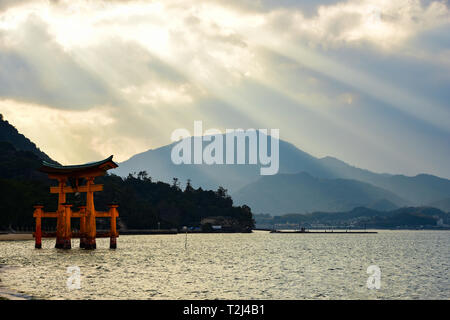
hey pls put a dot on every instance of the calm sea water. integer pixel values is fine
(414, 265)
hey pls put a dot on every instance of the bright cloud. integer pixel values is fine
(57, 127)
(334, 76)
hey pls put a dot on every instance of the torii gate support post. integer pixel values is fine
(82, 226)
(38, 233)
(67, 235)
(113, 231)
(59, 222)
(90, 217)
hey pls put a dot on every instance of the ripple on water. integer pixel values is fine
(414, 265)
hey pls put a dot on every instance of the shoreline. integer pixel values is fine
(16, 236)
(9, 294)
(29, 236)
(136, 232)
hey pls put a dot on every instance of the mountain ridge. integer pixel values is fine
(302, 193)
(361, 217)
(10, 134)
(420, 189)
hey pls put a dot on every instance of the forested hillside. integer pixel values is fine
(143, 203)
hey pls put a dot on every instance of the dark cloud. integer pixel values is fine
(433, 40)
(420, 76)
(7, 4)
(372, 121)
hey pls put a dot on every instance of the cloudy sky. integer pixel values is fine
(365, 81)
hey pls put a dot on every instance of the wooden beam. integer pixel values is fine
(50, 215)
(102, 214)
(77, 214)
(67, 189)
(95, 172)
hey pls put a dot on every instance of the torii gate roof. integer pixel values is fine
(87, 169)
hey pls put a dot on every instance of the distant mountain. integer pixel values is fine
(418, 190)
(301, 193)
(158, 164)
(443, 204)
(361, 217)
(9, 133)
(19, 165)
(22, 186)
(382, 205)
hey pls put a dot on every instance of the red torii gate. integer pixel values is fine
(87, 213)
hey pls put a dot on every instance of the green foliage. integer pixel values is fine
(144, 203)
